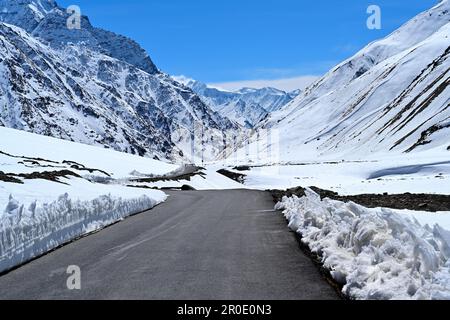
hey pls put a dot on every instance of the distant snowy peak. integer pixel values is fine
(246, 106)
(266, 90)
(46, 20)
(270, 99)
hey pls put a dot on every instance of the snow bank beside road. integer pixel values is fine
(27, 232)
(35, 220)
(374, 253)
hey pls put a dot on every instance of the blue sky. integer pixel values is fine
(234, 40)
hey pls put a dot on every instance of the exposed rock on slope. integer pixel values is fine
(96, 87)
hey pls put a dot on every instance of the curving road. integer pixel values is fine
(197, 245)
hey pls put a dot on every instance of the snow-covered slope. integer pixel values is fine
(247, 106)
(96, 87)
(391, 96)
(115, 164)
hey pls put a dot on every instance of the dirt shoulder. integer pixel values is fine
(420, 202)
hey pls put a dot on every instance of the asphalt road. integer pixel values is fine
(197, 245)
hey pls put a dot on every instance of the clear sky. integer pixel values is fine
(217, 41)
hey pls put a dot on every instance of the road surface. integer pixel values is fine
(197, 245)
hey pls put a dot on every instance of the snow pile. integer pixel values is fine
(29, 231)
(374, 253)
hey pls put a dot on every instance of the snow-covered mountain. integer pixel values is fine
(247, 106)
(44, 19)
(96, 87)
(393, 95)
